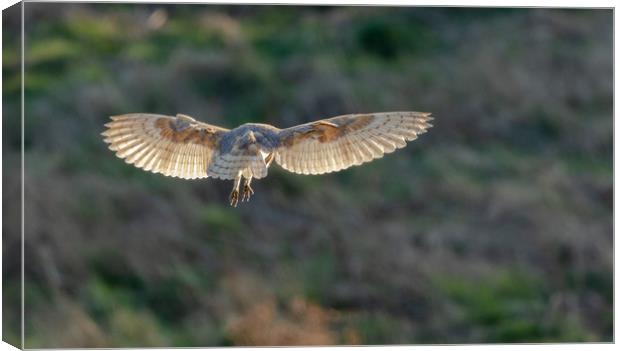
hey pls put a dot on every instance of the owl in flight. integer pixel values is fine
(183, 147)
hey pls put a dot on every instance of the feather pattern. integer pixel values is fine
(174, 146)
(337, 143)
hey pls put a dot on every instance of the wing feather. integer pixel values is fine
(176, 146)
(337, 143)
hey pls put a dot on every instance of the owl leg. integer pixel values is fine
(247, 190)
(234, 194)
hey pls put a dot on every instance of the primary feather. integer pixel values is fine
(337, 143)
(173, 146)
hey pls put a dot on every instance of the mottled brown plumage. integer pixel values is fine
(182, 147)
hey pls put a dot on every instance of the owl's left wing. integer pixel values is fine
(333, 144)
(178, 146)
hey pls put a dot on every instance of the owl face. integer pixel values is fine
(248, 142)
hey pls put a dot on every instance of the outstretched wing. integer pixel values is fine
(333, 144)
(174, 146)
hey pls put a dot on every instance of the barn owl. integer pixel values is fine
(180, 146)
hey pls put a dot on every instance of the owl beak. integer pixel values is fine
(250, 137)
(264, 155)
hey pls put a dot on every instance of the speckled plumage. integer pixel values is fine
(182, 147)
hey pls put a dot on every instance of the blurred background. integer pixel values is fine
(496, 226)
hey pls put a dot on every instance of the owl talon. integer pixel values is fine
(234, 198)
(247, 192)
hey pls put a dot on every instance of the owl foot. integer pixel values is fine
(234, 198)
(247, 192)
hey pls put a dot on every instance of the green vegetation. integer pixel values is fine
(510, 307)
(496, 226)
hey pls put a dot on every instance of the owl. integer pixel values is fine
(180, 146)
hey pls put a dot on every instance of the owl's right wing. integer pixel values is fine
(336, 143)
(173, 146)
